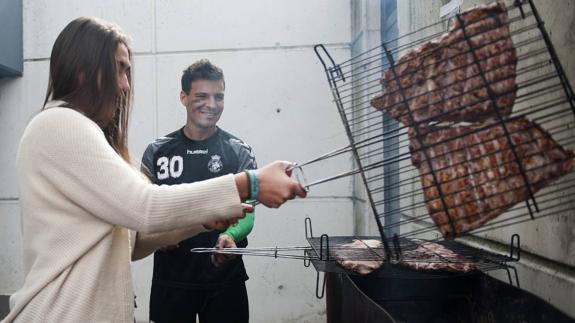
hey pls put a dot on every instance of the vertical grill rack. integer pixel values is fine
(381, 145)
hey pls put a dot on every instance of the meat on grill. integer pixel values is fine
(360, 256)
(433, 256)
(365, 256)
(441, 80)
(477, 173)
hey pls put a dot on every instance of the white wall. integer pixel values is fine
(366, 35)
(277, 99)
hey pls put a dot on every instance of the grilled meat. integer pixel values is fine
(441, 80)
(477, 173)
(360, 256)
(433, 256)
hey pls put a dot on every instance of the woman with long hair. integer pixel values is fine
(82, 201)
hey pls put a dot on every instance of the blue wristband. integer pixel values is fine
(249, 178)
(254, 184)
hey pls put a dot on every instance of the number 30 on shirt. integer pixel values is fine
(170, 167)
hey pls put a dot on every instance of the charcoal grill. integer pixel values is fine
(325, 251)
(472, 298)
(380, 146)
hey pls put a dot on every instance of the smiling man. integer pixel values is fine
(184, 284)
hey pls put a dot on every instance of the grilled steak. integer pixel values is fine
(441, 80)
(433, 256)
(365, 256)
(361, 256)
(477, 172)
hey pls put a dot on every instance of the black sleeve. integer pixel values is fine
(147, 166)
(244, 153)
(246, 158)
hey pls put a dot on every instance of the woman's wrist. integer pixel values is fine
(242, 185)
(254, 185)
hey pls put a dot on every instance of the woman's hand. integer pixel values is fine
(276, 186)
(224, 224)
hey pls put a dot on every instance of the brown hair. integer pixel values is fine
(83, 73)
(201, 70)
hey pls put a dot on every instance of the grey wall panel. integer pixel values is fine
(11, 63)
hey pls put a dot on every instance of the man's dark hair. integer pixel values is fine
(201, 70)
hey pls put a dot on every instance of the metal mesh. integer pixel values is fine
(401, 163)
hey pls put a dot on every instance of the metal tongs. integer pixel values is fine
(298, 173)
(349, 148)
(275, 252)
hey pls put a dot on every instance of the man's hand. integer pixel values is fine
(224, 241)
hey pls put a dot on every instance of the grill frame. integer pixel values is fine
(323, 254)
(343, 81)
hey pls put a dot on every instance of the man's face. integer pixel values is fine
(204, 103)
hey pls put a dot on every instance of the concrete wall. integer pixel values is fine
(277, 99)
(11, 38)
(366, 34)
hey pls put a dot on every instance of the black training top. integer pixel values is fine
(176, 159)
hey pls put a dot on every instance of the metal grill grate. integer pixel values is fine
(407, 258)
(404, 164)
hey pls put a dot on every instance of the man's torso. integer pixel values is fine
(175, 159)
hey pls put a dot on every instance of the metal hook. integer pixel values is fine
(515, 247)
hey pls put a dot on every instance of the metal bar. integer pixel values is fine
(384, 66)
(336, 95)
(414, 206)
(497, 224)
(521, 86)
(419, 39)
(493, 98)
(523, 43)
(418, 136)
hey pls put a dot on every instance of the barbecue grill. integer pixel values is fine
(383, 149)
(381, 145)
(385, 145)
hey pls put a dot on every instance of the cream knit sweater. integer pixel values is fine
(78, 200)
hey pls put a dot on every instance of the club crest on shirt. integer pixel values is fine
(215, 164)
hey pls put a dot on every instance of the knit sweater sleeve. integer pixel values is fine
(78, 162)
(144, 244)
